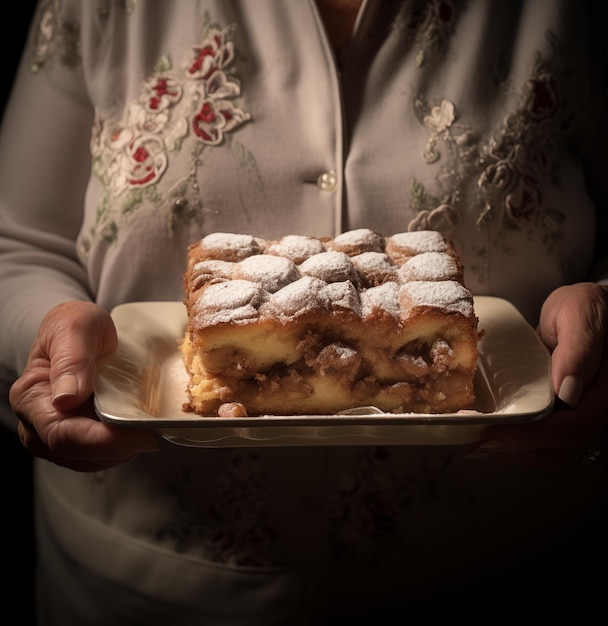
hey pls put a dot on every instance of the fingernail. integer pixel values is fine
(66, 386)
(570, 390)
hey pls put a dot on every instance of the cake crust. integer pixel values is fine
(310, 326)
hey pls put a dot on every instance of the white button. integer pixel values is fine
(328, 181)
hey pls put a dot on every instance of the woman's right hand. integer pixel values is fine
(53, 397)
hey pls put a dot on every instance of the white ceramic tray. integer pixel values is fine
(143, 385)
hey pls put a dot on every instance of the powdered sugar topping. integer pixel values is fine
(297, 298)
(232, 301)
(374, 268)
(296, 248)
(420, 241)
(381, 299)
(329, 266)
(445, 294)
(211, 270)
(231, 246)
(271, 272)
(357, 241)
(244, 278)
(429, 266)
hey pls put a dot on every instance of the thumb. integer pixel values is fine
(75, 334)
(573, 324)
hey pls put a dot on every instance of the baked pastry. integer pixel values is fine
(311, 326)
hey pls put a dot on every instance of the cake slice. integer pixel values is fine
(307, 326)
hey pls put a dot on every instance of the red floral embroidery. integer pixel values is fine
(134, 154)
(163, 92)
(214, 55)
(214, 119)
(147, 159)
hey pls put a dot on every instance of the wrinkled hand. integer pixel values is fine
(574, 326)
(53, 396)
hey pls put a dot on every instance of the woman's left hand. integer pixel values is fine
(574, 326)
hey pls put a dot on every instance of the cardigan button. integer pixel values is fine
(328, 181)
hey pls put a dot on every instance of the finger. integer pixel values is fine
(32, 442)
(84, 444)
(573, 324)
(75, 437)
(78, 437)
(72, 337)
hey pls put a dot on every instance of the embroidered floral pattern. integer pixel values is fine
(458, 148)
(196, 100)
(511, 168)
(518, 161)
(55, 37)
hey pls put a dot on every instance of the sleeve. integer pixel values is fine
(44, 170)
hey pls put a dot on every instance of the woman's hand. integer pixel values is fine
(53, 396)
(574, 326)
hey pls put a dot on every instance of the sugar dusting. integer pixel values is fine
(296, 248)
(384, 298)
(231, 245)
(246, 278)
(232, 301)
(374, 268)
(343, 296)
(329, 266)
(212, 268)
(299, 297)
(418, 241)
(449, 295)
(360, 240)
(429, 266)
(271, 272)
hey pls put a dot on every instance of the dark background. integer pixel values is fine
(16, 518)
